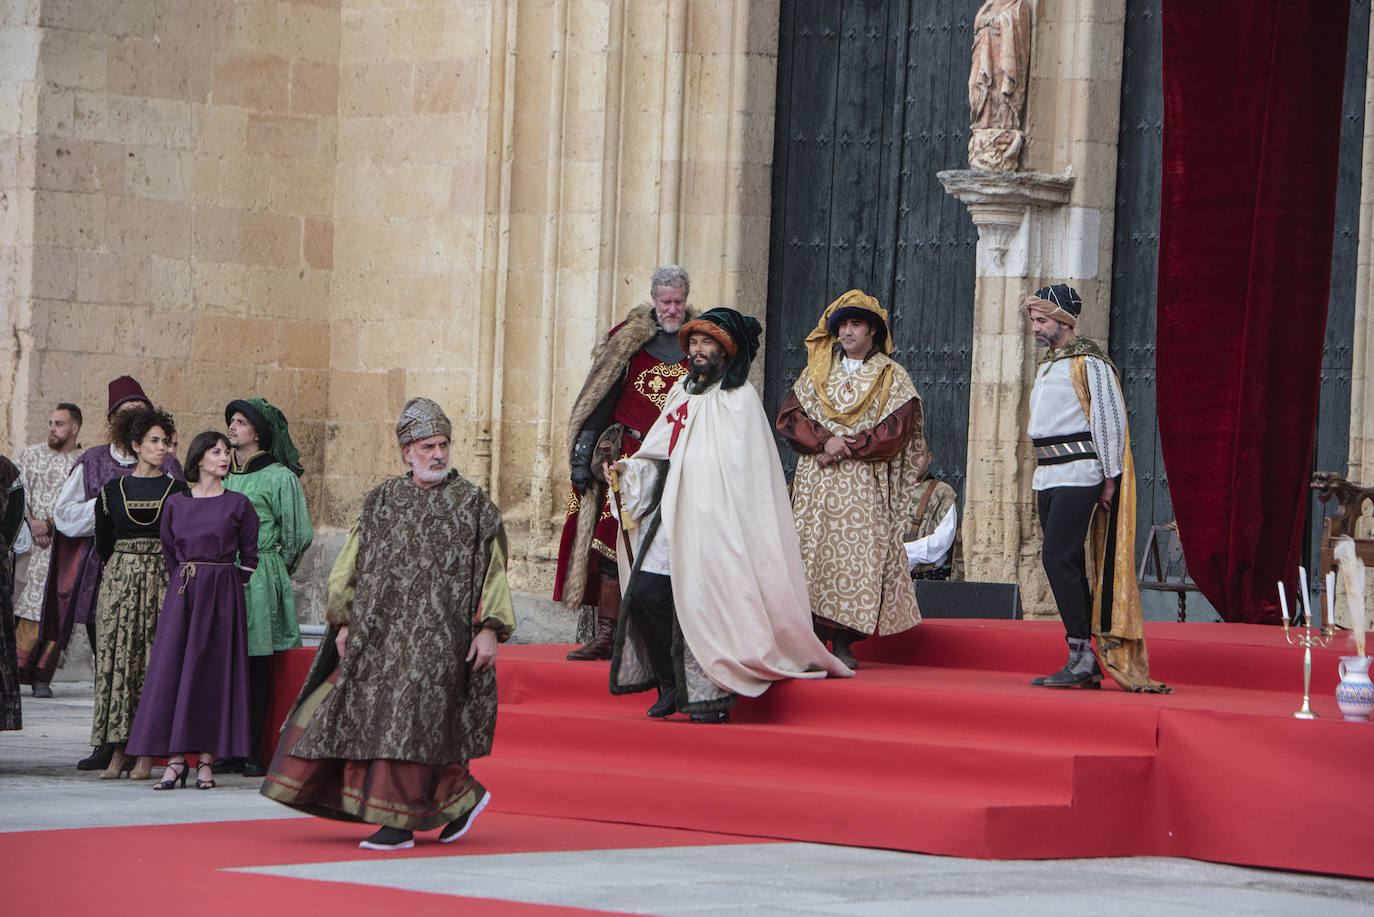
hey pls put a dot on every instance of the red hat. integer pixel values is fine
(125, 388)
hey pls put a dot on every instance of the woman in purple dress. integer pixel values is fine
(195, 698)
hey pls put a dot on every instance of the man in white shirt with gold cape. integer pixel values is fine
(716, 603)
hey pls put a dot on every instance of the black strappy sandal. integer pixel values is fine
(177, 775)
(204, 784)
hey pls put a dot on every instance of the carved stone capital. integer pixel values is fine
(999, 203)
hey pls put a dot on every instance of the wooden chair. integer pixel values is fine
(1164, 569)
(1351, 499)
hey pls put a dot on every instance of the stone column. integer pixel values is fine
(1022, 228)
(20, 41)
(1050, 224)
(1361, 466)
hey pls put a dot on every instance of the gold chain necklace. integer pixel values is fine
(160, 503)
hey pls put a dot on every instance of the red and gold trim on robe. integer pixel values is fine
(399, 794)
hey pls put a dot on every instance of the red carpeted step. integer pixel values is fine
(845, 811)
(940, 745)
(1255, 656)
(800, 757)
(907, 757)
(882, 699)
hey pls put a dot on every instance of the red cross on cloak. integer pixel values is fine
(678, 419)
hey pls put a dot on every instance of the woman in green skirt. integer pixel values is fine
(128, 526)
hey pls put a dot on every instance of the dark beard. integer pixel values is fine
(700, 378)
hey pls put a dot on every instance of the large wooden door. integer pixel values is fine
(872, 101)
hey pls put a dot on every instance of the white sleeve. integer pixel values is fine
(23, 542)
(1108, 420)
(934, 547)
(73, 515)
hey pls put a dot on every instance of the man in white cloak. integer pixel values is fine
(716, 602)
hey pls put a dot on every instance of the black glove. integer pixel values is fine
(581, 475)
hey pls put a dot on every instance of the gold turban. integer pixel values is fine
(820, 351)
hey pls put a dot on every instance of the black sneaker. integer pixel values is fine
(41, 689)
(459, 826)
(719, 716)
(389, 839)
(98, 760)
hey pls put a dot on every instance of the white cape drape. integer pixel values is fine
(738, 583)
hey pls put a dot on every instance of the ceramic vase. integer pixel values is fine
(1355, 693)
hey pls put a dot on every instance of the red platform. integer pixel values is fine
(941, 746)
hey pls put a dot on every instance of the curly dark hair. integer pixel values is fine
(132, 425)
(202, 444)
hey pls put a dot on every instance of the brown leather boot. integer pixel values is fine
(607, 616)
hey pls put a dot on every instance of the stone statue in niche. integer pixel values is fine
(997, 84)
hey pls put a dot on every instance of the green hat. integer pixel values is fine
(273, 433)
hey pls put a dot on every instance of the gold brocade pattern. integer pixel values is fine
(126, 613)
(851, 515)
(654, 382)
(44, 472)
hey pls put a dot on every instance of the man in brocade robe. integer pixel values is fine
(854, 418)
(632, 371)
(1084, 487)
(402, 692)
(716, 603)
(266, 468)
(44, 468)
(74, 570)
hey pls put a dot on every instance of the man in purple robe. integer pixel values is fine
(74, 572)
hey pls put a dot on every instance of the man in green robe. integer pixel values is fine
(266, 468)
(402, 693)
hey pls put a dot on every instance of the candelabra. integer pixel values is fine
(1305, 639)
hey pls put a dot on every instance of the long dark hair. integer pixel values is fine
(202, 444)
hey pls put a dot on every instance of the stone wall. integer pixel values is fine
(179, 163)
(338, 204)
(509, 176)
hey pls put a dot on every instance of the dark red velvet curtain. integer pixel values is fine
(1252, 103)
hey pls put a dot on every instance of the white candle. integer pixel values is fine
(1283, 602)
(1331, 597)
(1303, 591)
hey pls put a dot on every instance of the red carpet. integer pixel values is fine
(940, 746)
(147, 870)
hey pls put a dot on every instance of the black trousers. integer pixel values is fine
(1064, 516)
(651, 607)
(259, 696)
